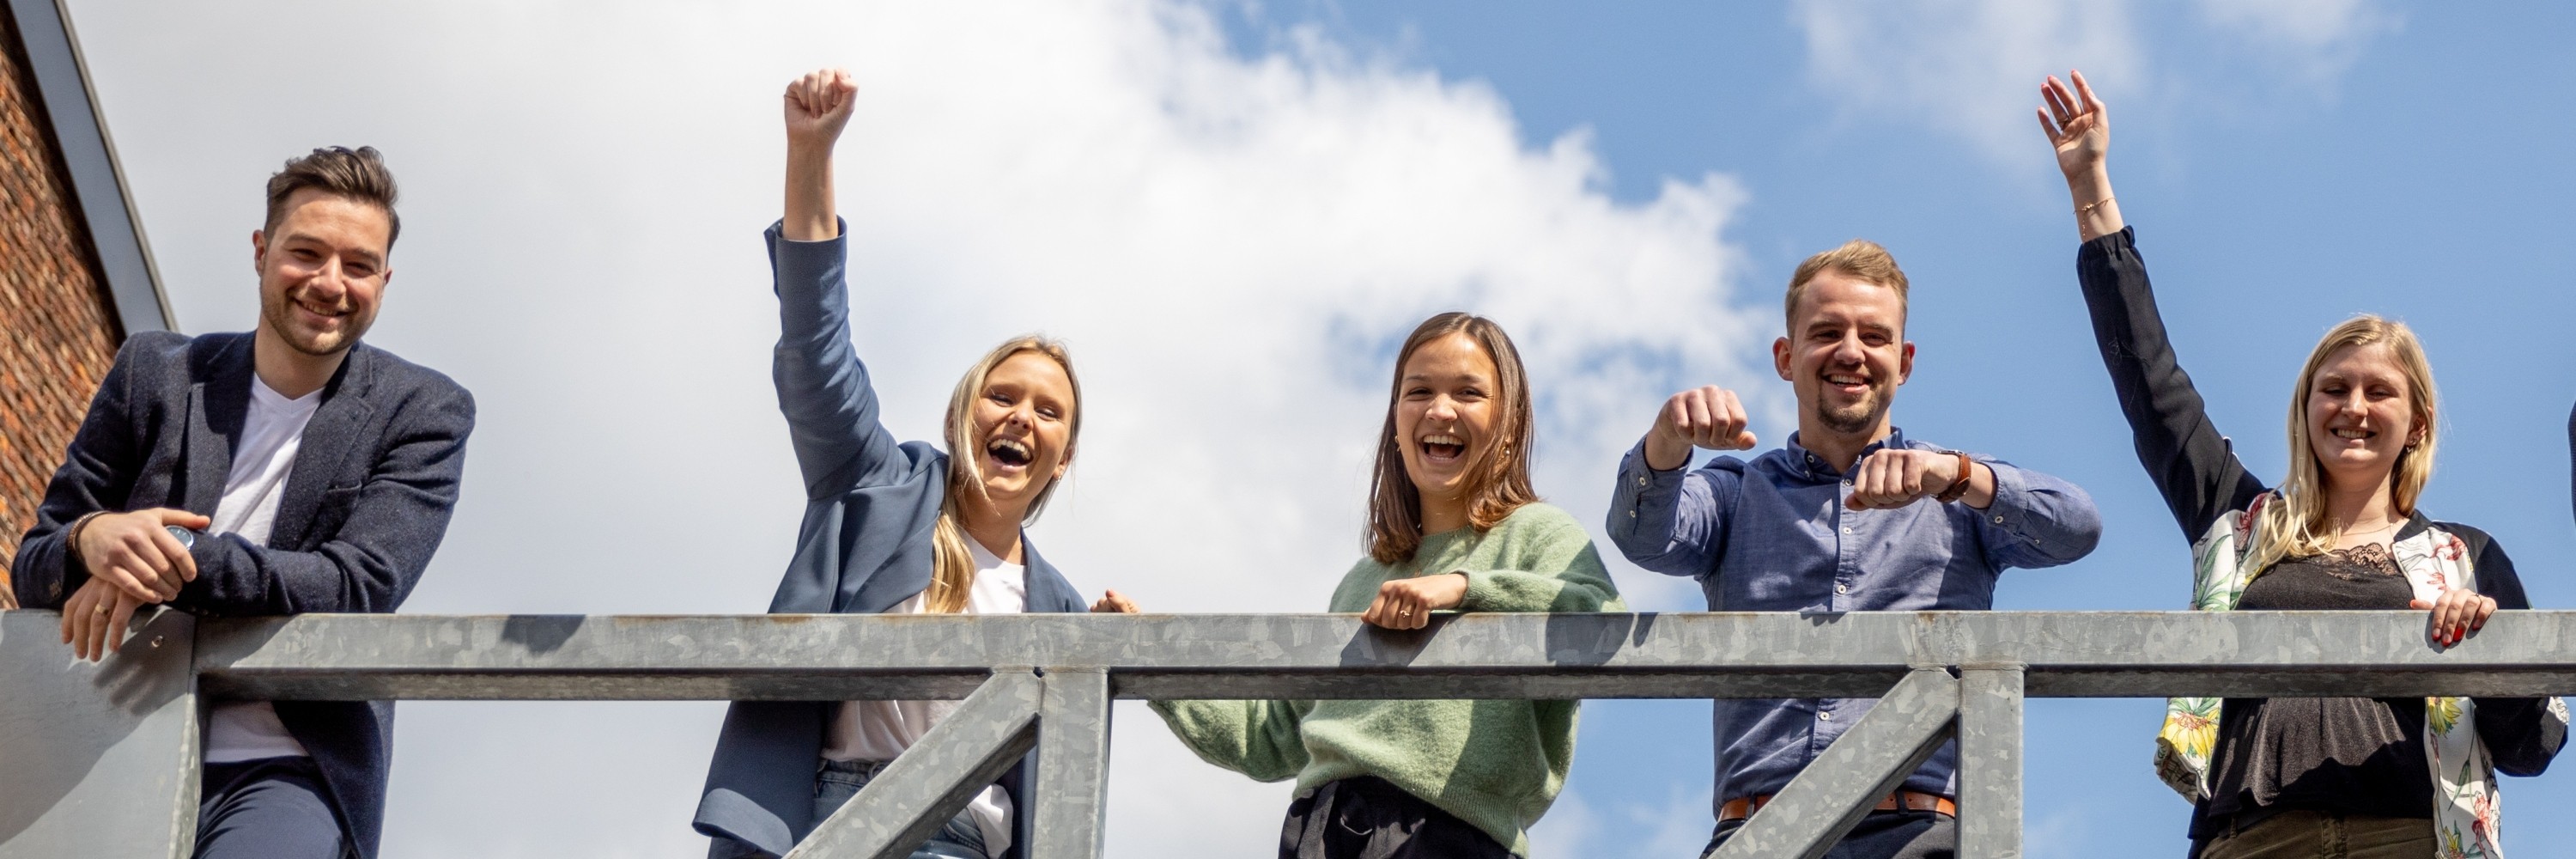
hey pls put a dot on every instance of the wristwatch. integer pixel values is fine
(1959, 488)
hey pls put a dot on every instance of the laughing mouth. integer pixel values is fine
(1009, 452)
(2351, 434)
(1846, 380)
(1443, 446)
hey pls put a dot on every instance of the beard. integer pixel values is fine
(1855, 418)
(280, 315)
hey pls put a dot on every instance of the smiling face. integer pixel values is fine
(1844, 356)
(1022, 430)
(321, 272)
(2361, 415)
(1445, 413)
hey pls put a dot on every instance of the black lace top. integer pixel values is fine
(2357, 756)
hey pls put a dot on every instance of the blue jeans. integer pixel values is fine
(835, 782)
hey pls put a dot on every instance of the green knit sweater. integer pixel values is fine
(1495, 764)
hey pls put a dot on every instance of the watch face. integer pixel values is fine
(187, 539)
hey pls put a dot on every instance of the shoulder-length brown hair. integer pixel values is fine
(1496, 486)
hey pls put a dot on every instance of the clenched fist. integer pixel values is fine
(818, 105)
(1707, 416)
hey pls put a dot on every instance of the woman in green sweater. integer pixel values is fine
(1453, 524)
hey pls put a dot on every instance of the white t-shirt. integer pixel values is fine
(880, 730)
(271, 434)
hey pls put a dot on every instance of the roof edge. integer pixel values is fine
(89, 155)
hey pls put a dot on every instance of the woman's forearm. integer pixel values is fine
(810, 214)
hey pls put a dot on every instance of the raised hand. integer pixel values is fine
(2079, 127)
(1408, 603)
(1707, 416)
(2076, 124)
(818, 106)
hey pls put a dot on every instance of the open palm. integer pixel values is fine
(2076, 124)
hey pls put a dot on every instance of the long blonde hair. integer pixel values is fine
(2298, 526)
(952, 565)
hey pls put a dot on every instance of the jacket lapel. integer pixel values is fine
(330, 438)
(1046, 587)
(217, 406)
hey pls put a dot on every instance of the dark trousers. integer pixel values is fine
(1882, 835)
(271, 808)
(1367, 818)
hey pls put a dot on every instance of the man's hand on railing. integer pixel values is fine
(95, 618)
(1113, 602)
(2457, 614)
(1408, 603)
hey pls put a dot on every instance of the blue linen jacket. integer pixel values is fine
(376, 476)
(864, 547)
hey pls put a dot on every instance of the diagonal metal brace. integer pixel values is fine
(929, 783)
(1845, 781)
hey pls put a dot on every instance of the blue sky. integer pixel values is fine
(2420, 181)
(1230, 209)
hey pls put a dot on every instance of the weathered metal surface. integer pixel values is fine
(829, 657)
(1073, 765)
(96, 759)
(1990, 713)
(1847, 779)
(929, 783)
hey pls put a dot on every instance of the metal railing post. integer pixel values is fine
(1990, 749)
(1072, 781)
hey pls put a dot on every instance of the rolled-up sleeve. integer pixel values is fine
(2036, 520)
(1670, 521)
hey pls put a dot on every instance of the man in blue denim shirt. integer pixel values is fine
(1850, 515)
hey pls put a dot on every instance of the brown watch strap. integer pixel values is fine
(1959, 488)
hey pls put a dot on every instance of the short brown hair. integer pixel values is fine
(1495, 487)
(1859, 258)
(358, 174)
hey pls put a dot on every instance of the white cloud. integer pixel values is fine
(1972, 69)
(1231, 245)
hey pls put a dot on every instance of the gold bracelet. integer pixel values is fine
(2087, 209)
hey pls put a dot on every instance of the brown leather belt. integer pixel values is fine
(1742, 807)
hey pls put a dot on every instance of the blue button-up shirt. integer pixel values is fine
(1773, 535)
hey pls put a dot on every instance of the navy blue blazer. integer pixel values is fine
(375, 479)
(864, 547)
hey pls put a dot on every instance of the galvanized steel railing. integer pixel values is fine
(89, 752)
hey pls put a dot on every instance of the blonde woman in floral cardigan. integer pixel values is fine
(2405, 778)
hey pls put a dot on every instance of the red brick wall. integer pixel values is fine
(60, 332)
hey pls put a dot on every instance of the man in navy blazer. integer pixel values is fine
(289, 469)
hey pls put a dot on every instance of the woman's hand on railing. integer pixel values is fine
(1113, 602)
(2457, 614)
(1408, 603)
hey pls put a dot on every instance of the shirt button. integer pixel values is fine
(1632, 514)
(1999, 520)
(1846, 529)
(1641, 481)
(1842, 588)
(1827, 715)
(1847, 483)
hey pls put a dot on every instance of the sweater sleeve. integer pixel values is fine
(1256, 738)
(1551, 567)
(2191, 464)
(2522, 735)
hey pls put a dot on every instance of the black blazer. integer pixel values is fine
(375, 479)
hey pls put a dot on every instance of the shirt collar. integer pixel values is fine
(1812, 467)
